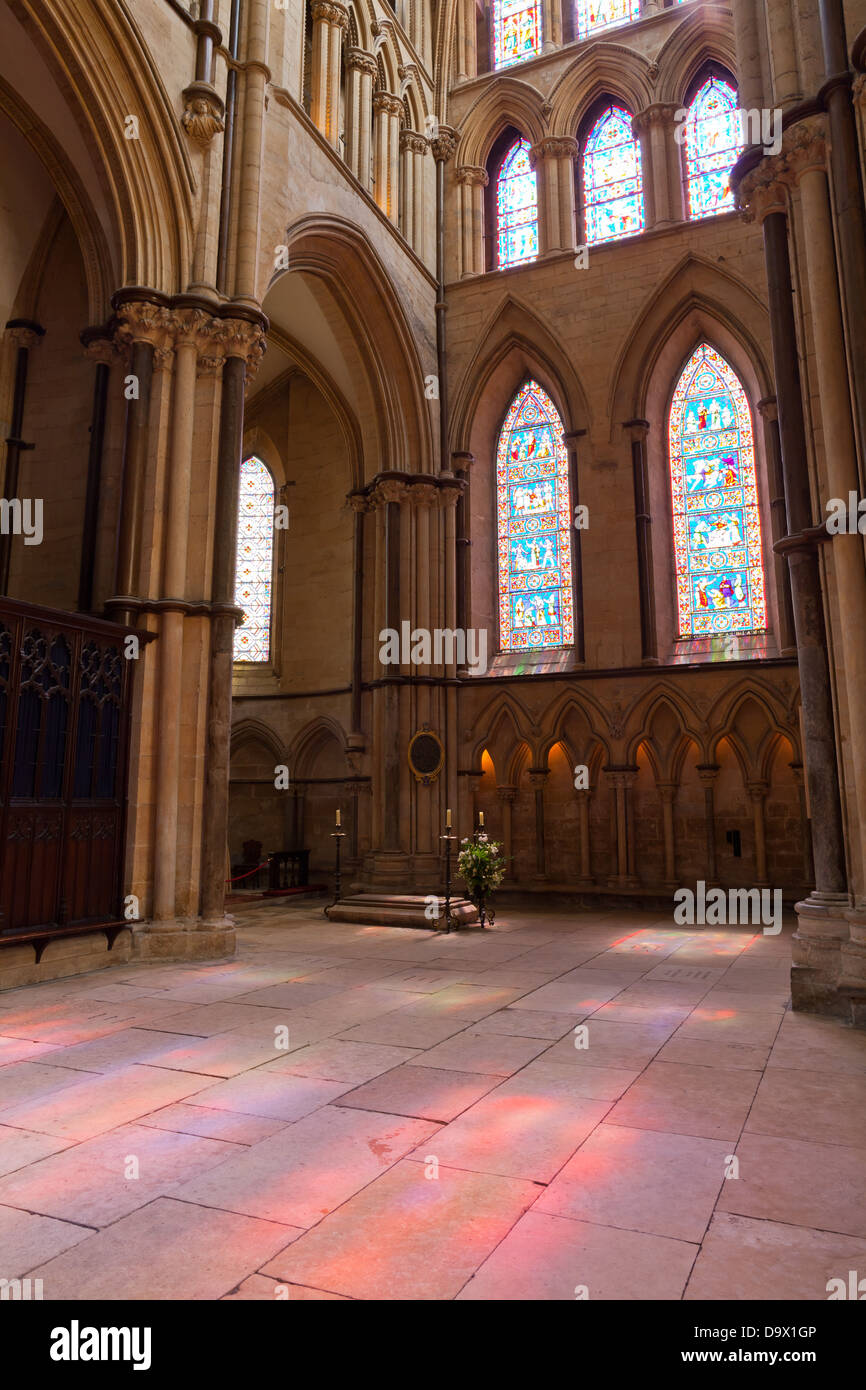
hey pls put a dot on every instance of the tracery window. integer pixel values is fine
(604, 14)
(255, 562)
(713, 140)
(516, 208)
(516, 31)
(612, 179)
(536, 602)
(718, 554)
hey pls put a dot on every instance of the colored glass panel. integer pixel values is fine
(612, 179)
(536, 603)
(717, 524)
(713, 141)
(516, 208)
(604, 14)
(255, 562)
(516, 31)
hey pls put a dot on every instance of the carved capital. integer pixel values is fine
(141, 321)
(506, 793)
(362, 61)
(805, 149)
(858, 91)
(329, 12)
(762, 191)
(472, 174)
(423, 495)
(411, 140)
(203, 113)
(768, 408)
(24, 335)
(100, 347)
(661, 113)
(553, 147)
(444, 143)
(387, 490)
(387, 104)
(636, 430)
(359, 502)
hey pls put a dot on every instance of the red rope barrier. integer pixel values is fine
(263, 865)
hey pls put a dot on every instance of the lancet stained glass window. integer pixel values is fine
(713, 140)
(516, 31)
(604, 14)
(717, 524)
(536, 603)
(516, 208)
(612, 179)
(255, 562)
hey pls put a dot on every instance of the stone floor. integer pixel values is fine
(435, 1127)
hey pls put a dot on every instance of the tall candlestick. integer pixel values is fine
(447, 820)
(339, 821)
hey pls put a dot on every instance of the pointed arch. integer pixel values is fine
(611, 177)
(601, 70)
(713, 140)
(699, 36)
(513, 345)
(516, 207)
(506, 102)
(308, 743)
(256, 731)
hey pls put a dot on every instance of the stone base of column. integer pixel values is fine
(623, 881)
(852, 981)
(816, 971)
(387, 869)
(182, 941)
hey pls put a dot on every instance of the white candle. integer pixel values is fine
(447, 820)
(339, 822)
(480, 817)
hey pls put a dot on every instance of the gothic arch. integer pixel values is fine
(601, 69)
(248, 731)
(697, 40)
(104, 70)
(715, 297)
(643, 714)
(333, 252)
(515, 332)
(509, 102)
(587, 707)
(309, 742)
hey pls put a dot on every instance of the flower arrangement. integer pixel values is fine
(481, 866)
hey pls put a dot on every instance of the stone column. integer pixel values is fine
(708, 774)
(388, 856)
(329, 22)
(808, 866)
(662, 170)
(778, 524)
(507, 796)
(242, 342)
(553, 161)
(413, 148)
(667, 792)
(571, 442)
(537, 779)
(821, 921)
(472, 181)
(551, 25)
(387, 110)
(447, 499)
(103, 353)
(23, 337)
(783, 52)
(749, 49)
(637, 431)
(585, 878)
(622, 782)
(140, 328)
(466, 56)
(359, 112)
(758, 795)
(807, 170)
(257, 75)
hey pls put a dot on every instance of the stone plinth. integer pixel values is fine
(393, 910)
(157, 942)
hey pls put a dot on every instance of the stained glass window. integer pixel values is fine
(604, 14)
(516, 31)
(713, 140)
(516, 208)
(255, 562)
(536, 605)
(612, 179)
(717, 524)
